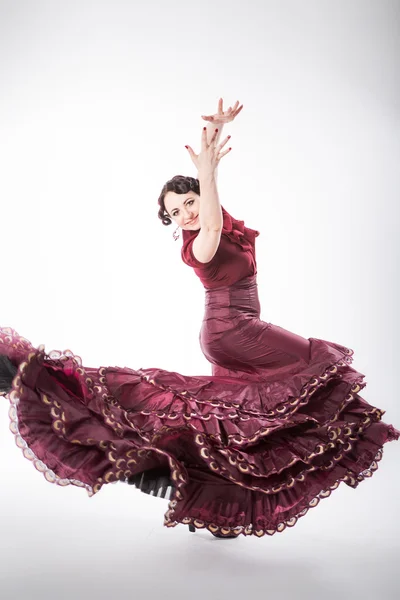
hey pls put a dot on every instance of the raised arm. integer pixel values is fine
(206, 243)
(218, 121)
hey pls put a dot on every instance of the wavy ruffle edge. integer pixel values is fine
(19, 347)
(345, 436)
(130, 462)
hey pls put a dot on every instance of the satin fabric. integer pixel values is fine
(234, 260)
(247, 454)
(250, 449)
(235, 340)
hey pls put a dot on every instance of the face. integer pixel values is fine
(182, 208)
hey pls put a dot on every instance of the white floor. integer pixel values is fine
(57, 543)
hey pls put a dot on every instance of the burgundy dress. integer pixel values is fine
(277, 426)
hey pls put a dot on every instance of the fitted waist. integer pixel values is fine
(241, 296)
(245, 283)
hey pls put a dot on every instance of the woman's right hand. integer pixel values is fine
(207, 161)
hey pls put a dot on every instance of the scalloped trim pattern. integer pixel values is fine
(121, 467)
(290, 406)
(250, 530)
(284, 410)
(350, 478)
(14, 397)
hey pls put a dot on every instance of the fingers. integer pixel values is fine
(204, 144)
(223, 154)
(210, 150)
(193, 156)
(224, 117)
(233, 112)
(191, 152)
(204, 139)
(214, 137)
(222, 144)
(238, 110)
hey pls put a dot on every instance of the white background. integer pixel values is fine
(97, 101)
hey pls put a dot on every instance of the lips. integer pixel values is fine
(191, 222)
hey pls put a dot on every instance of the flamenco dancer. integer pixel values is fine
(248, 450)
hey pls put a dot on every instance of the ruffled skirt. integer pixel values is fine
(276, 428)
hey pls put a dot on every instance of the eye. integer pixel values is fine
(175, 213)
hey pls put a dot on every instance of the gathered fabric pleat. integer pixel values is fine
(251, 448)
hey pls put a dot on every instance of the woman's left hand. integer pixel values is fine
(221, 117)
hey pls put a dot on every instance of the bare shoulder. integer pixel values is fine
(206, 244)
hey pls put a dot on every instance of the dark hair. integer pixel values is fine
(180, 185)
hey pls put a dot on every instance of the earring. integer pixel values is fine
(174, 235)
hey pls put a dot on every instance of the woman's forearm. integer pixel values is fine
(210, 208)
(211, 127)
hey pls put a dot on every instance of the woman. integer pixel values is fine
(248, 450)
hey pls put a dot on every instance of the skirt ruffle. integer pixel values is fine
(245, 457)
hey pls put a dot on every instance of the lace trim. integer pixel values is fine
(308, 389)
(67, 359)
(169, 520)
(14, 397)
(121, 467)
(289, 406)
(334, 433)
